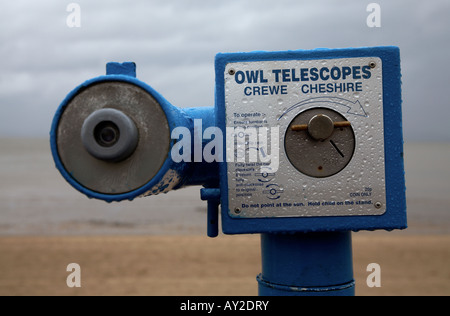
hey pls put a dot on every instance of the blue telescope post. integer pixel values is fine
(307, 264)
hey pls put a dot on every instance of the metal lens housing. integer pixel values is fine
(111, 138)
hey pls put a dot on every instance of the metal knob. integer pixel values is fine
(320, 127)
(109, 134)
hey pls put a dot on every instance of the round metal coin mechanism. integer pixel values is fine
(320, 142)
(113, 137)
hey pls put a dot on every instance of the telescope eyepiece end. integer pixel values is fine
(110, 135)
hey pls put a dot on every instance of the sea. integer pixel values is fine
(36, 201)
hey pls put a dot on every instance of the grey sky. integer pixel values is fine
(174, 44)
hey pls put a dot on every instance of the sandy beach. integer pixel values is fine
(196, 265)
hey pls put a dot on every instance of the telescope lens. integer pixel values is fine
(106, 134)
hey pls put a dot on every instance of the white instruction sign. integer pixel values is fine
(305, 138)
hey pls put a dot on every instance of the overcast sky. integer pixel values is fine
(174, 44)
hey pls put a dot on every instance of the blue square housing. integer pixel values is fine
(395, 215)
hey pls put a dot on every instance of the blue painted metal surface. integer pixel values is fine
(395, 216)
(126, 69)
(213, 198)
(306, 264)
(201, 172)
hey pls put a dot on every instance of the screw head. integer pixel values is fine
(378, 205)
(372, 64)
(237, 210)
(231, 72)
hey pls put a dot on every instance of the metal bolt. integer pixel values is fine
(237, 210)
(372, 64)
(231, 72)
(378, 205)
(320, 127)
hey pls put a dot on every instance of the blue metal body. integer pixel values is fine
(395, 216)
(306, 264)
(301, 255)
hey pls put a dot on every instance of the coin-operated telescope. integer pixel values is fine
(302, 147)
